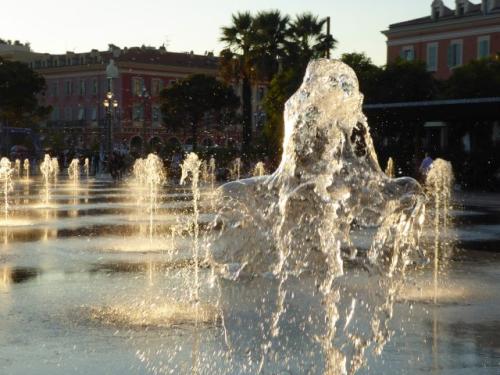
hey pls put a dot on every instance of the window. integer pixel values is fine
(82, 87)
(483, 47)
(95, 86)
(81, 114)
(137, 85)
(68, 115)
(156, 87)
(55, 89)
(432, 57)
(156, 114)
(138, 112)
(94, 114)
(55, 114)
(68, 88)
(455, 54)
(407, 53)
(436, 11)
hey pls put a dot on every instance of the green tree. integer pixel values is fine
(306, 39)
(406, 81)
(368, 74)
(189, 101)
(20, 88)
(477, 79)
(269, 43)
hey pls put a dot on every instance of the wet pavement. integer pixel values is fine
(83, 289)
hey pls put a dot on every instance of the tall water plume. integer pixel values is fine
(299, 222)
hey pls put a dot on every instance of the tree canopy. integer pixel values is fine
(20, 88)
(189, 101)
(477, 79)
(260, 47)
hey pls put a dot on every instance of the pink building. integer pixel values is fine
(447, 38)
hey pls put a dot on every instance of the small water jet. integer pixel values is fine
(149, 176)
(212, 172)
(6, 172)
(191, 168)
(86, 168)
(389, 169)
(235, 171)
(439, 185)
(54, 169)
(74, 172)
(259, 170)
(26, 166)
(17, 168)
(47, 170)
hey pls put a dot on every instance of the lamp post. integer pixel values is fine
(110, 105)
(145, 96)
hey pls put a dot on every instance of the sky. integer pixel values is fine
(57, 26)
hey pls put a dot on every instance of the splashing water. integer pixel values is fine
(6, 172)
(389, 169)
(235, 171)
(259, 170)
(439, 184)
(86, 167)
(47, 170)
(299, 222)
(26, 167)
(74, 172)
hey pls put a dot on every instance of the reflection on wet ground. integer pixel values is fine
(76, 295)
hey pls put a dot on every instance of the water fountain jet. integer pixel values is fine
(301, 219)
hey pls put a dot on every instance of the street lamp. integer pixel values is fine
(110, 105)
(145, 96)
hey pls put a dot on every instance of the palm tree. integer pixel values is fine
(307, 40)
(237, 63)
(270, 32)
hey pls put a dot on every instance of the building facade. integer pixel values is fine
(447, 38)
(77, 85)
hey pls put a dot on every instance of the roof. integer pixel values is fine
(150, 56)
(449, 14)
